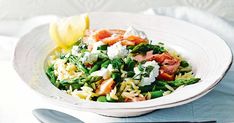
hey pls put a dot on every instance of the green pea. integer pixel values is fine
(101, 99)
(51, 75)
(117, 63)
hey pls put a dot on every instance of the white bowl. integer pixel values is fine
(209, 55)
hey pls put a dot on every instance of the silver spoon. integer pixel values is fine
(53, 116)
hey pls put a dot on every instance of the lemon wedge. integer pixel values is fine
(66, 32)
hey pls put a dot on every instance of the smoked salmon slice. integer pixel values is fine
(101, 34)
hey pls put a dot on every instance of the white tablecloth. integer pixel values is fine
(17, 100)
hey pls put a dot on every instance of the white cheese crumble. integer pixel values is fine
(104, 72)
(89, 58)
(110, 68)
(117, 51)
(153, 74)
(137, 72)
(132, 31)
(96, 45)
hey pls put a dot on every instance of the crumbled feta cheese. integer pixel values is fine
(153, 74)
(95, 47)
(89, 58)
(75, 50)
(117, 51)
(137, 72)
(110, 68)
(105, 73)
(132, 31)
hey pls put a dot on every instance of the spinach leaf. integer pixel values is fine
(103, 47)
(51, 75)
(142, 48)
(130, 73)
(117, 63)
(155, 86)
(140, 67)
(116, 76)
(147, 71)
(130, 47)
(184, 63)
(129, 64)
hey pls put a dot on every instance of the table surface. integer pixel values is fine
(18, 100)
